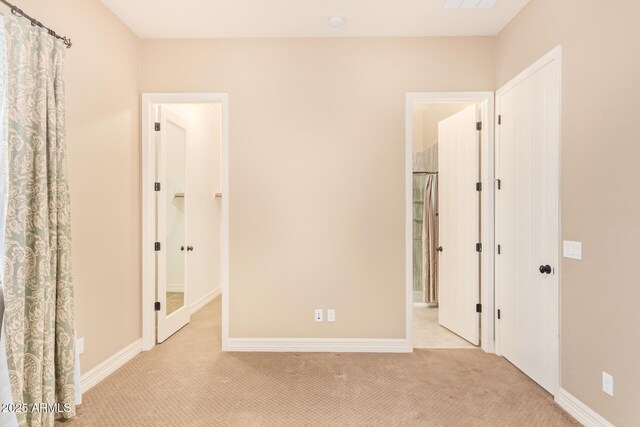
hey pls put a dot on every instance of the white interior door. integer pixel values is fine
(172, 283)
(459, 219)
(527, 224)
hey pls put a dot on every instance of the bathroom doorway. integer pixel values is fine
(450, 135)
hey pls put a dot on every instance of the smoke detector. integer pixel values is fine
(469, 4)
(336, 21)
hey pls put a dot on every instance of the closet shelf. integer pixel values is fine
(181, 195)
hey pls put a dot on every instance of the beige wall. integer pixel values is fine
(104, 168)
(426, 117)
(317, 168)
(600, 194)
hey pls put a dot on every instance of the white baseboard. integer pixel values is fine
(109, 366)
(318, 345)
(578, 410)
(175, 287)
(201, 302)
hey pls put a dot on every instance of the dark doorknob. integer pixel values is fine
(439, 249)
(545, 269)
(189, 248)
(182, 248)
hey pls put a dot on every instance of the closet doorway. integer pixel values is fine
(185, 205)
(449, 160)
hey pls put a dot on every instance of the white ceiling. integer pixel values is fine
(309, 18)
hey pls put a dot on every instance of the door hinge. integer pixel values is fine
(499, 181)
(499, 249)
(478, 308)
(156, 186)
(499, 119)
(498, 314)
(478, 186)
(156, 306)
(156, 246)
(478, 125)
(478, 247)
(157, 127)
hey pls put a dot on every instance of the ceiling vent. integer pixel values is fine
(469, 4)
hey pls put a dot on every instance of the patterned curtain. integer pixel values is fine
(39, 313)
(430, 239)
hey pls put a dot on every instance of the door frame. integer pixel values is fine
(554, 55)
(487, 212)
(149, 101)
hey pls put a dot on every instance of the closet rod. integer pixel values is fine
(19, 12)
(425, 173)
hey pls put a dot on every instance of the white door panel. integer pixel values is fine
(459, 219)
(172, 283)
(527, 225)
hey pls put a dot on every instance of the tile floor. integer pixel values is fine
(427, 332)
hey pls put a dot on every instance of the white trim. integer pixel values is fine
(578, 410)
(109, 366)
(319, 345)
(554, 54)
(175, 288)
(486, 102)
(148, 227)
(206, 299)
(420, 304)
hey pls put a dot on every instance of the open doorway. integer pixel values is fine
(184, 209)
(450, 172)
(446, 214)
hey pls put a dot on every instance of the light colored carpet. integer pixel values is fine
(188, 381)
(427, 332)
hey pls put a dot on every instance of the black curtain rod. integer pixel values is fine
(19, 12)
(425, 173)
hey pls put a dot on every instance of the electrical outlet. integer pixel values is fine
(607, 383)
(318, 315)
(80, 345)
(331, 315)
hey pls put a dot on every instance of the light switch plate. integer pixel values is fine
(331, 315)
(317, 316)
(572, 249)
(80, 345)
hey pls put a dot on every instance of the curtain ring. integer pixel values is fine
(16, 11)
